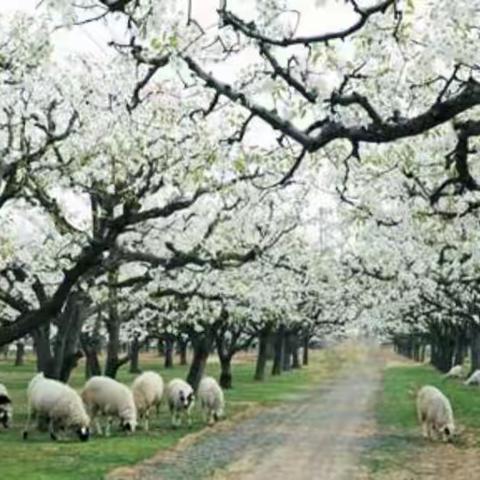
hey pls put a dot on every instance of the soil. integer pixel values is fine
(319, 435)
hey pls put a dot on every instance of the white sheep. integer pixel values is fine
(435, 413)
(106, 396)
(455, 372)
(474, 378)
(58, 402)
(6, 409)
(211, 399)
(147, 392)
(180, 401)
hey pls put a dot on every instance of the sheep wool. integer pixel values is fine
(105, 396)
(147, 391)
(435, 413)
(181, 400)
(60, 403)
(455, 371)
(211, 399)
(6, 408)
(474, 378)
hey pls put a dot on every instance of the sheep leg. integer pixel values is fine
(51, 430)
(27, 426)
(108, 428)
(96, 421)
(98, 426)
(146, 416)
(175, 418)
(211, 420)
(425, 432)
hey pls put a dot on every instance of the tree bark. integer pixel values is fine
(4, 351)
(160, 347)
(41, 341)
(182, 347)
(460, 347)
(306, 341)
(169, 348)
(423, 348)
(287, 351)
(442, 350)
(67, 341)
(135, 355)
(262, 355)
(202, 346)
(474, 347)
(226, 378)
(91, 345)
(113, 349)
(113, 322)
(92, 364)
(295, 351)
(20, 354)
(278, 346)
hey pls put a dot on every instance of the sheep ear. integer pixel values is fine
(4, 399)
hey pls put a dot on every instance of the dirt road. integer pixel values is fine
(319, 436)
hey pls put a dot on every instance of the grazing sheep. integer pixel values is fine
(180, 401)
(435, 413)
(60, 403)
(147, 392)
(6, 410)
(455, 372)
(106, 396)
(211, 399)
(474, 378)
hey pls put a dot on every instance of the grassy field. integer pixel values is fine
(399, 437)
(39, 458)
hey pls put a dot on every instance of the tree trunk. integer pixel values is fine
(41, 341)
(169, 349)
(442, 350)
(287, 351)
(135, 355)
(474, 347)
(4, 351)
(226, 372)
(113, 349)
(460, 348)
(20, 354)
(262, 355)
(423, 348)
(202, 346)
(67, 340)
(306, 341)
(92, 364)
(91, 345)
(295, 351)
(160, 350)
(182, 347)
(278, 346)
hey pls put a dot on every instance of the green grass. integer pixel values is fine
(39, 458)
(397, 405)
(399, 434)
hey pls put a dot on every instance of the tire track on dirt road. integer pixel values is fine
(319, 436)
